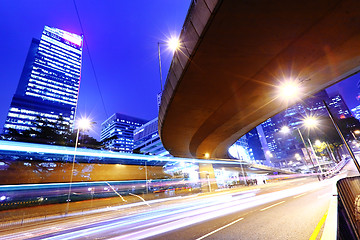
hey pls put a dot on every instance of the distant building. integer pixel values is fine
(255, 149)
(279, 148)
(147, 140)
(339, 107)
(49, 83)
(356, 112)
(117, 132)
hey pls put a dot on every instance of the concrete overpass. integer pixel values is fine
(224, 80)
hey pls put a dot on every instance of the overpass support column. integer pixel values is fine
(207, 177)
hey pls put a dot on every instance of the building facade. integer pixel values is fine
(49, 83)
(117, 132)
(339, 107)
(356, 112)
(147, 140)
(280, 149)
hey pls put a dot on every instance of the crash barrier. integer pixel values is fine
(348, 208)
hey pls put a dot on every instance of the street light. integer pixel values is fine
(242, 168)
(318, 143)
(286, 129)
(84, 124)
(289, 89)
(312, 122)
(172, 44)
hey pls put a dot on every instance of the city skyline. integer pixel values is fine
(122, 38)
(123, 48)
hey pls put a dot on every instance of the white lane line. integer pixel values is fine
(300, 195)
(227, 225)
(272, 205)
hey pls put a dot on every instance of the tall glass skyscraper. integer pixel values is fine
(50, 81)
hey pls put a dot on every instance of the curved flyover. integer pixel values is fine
(224, 80)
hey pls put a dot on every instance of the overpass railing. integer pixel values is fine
(348, 208)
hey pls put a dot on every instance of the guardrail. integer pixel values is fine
(348, 208)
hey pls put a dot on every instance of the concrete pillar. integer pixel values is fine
(207, 177)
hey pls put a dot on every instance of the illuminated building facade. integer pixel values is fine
(147, 140)
(49, 83)
(117, 132)
(280, 148)
(356, 112)
(339, 107)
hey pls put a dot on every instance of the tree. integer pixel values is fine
(48, 132)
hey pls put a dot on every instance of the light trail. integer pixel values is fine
(300, 195)
(175, 216)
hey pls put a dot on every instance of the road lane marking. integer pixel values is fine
(272, 206)
(318, 227)
(300, 195)
(227, 225)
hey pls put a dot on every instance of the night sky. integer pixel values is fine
(122, 37)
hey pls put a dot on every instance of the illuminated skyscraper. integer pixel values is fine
(117, 132)
(49, 83)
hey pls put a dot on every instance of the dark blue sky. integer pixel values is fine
(122, 37)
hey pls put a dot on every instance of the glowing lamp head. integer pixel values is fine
(289, 90)
(310, 122)
(84, 123)
(285, 129)
(173, 44)
(207, 155)
(357, 131)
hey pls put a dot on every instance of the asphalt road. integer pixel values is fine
(290, 209)
(294, 217)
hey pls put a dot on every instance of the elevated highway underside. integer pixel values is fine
(224, 80)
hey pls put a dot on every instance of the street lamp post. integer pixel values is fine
(82, 124)
(316, 158)
(161, 85)
(242, 169)
(173, 44)
(286, 129)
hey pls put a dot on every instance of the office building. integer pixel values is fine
(147, 140)
(280, 149)
(49, 83)
(117, 132)
(255, 149)
(338, 107)
(356, 112)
